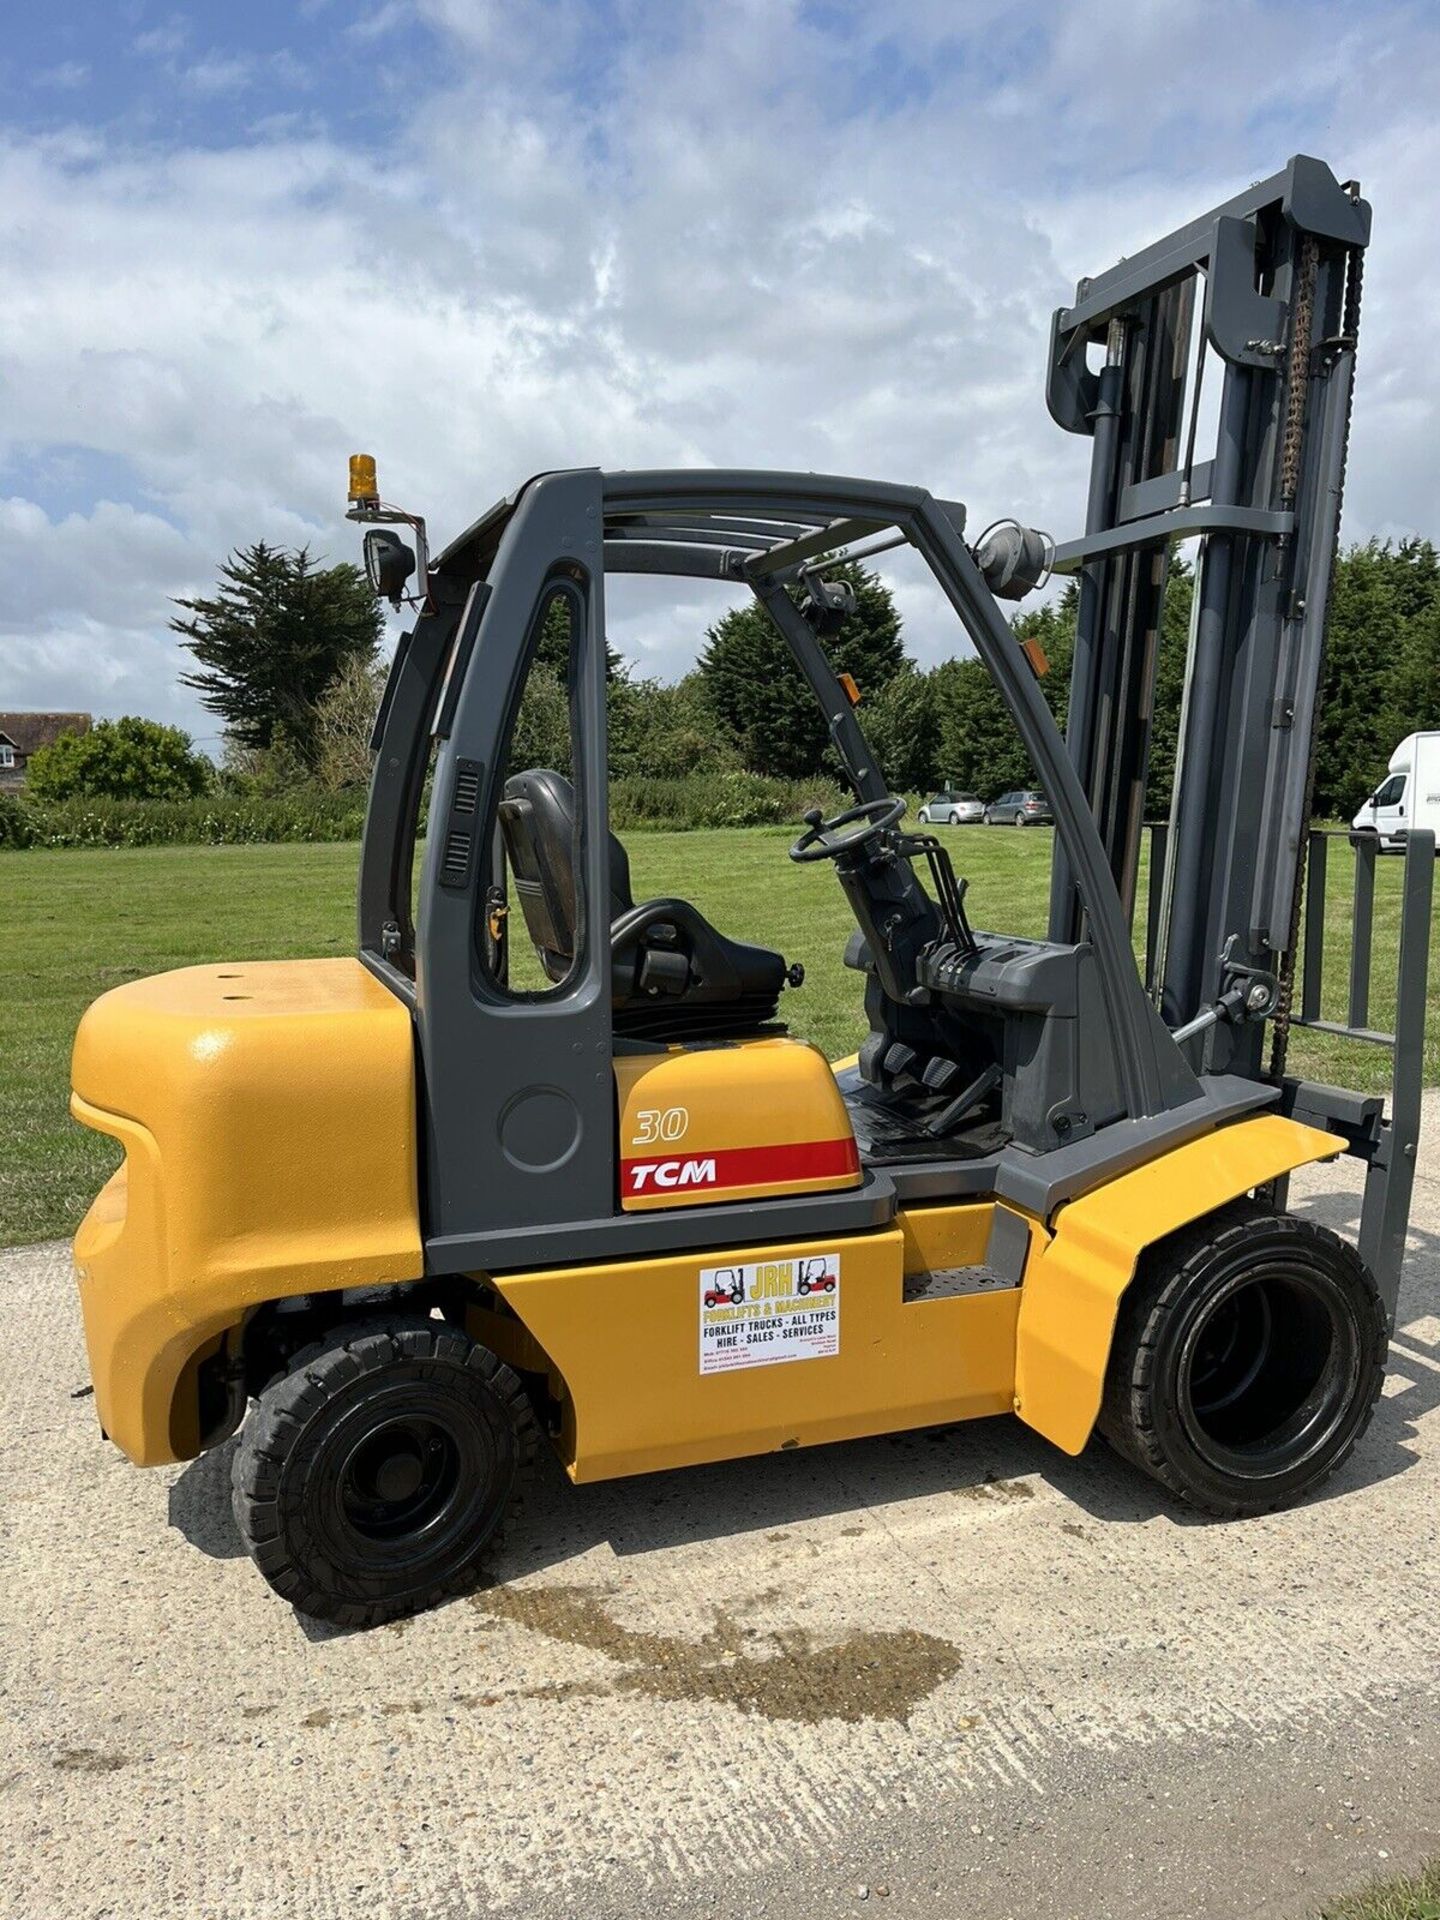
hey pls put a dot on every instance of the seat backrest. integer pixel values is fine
(537, 819)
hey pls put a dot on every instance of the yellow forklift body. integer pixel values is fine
(1072, 1290)
(267, 1112)
(650, 1383)
(739, 1122)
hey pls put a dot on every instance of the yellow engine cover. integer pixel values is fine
(267, 1111)
(742, 1122)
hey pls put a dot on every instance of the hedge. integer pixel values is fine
(721, 800)
(217, 820)
(732, 799)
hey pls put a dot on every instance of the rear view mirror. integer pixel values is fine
(389, 563)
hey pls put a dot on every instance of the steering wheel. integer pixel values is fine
(823, 839)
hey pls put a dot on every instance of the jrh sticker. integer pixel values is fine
(774, 1310)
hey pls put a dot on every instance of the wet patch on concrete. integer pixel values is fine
(87, 1760)
(866, 1675)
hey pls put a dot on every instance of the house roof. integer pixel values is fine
(27, 732)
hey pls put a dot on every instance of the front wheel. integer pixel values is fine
(373, 1475)
(1247, 1361)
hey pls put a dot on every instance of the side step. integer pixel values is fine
(940, 1283)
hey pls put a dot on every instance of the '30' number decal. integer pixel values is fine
(660, 1123)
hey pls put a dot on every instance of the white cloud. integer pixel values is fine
(380, 20)
(67, 75)
(162, 42)
(696, 241)
(216, 73)
(86, 604)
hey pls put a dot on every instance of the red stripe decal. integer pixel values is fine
(687, 1173)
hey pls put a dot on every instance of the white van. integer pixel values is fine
(1409, 795)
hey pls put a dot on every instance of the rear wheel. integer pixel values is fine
(1019, 819)
(1247, 1360)
(373, 1475)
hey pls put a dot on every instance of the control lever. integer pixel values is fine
(1250, 994)
(950, 889)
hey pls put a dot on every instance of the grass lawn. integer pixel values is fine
(1417, 1899)
(81, 922)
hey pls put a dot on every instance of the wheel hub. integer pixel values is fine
(399, 1477)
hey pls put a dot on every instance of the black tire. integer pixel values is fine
(371, 1478)
(1019, 819)
(1247, 1360)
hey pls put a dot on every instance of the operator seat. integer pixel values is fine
(674, 976)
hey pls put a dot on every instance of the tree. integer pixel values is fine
(1382, 666)
(980, 746)
(542, 726)
(127, 759)
(902, 724)
(757, 694)
(664, 732)
(344, 721)
(977, 744)
(276, 633)
(985, 741)
(1381, 677)
(542, 731)
(1053, 627)
(1362, 646)
(552, 651)
(1169, 691)
(1417, 676)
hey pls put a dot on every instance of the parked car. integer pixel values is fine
(1408, 796)
(1027, 807)
(950, 808)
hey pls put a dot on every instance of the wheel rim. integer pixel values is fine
(405, 1484)
(1267, 1371)
(399, 1478)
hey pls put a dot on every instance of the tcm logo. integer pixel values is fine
(672, 1173)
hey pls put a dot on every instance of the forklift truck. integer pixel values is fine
(544, 1158)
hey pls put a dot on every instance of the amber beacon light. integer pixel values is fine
(364, 487)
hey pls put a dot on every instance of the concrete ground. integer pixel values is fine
(953, 1673)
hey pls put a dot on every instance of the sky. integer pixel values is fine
(481, 240)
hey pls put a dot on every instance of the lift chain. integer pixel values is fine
(1350, 332)
(1297, 370)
